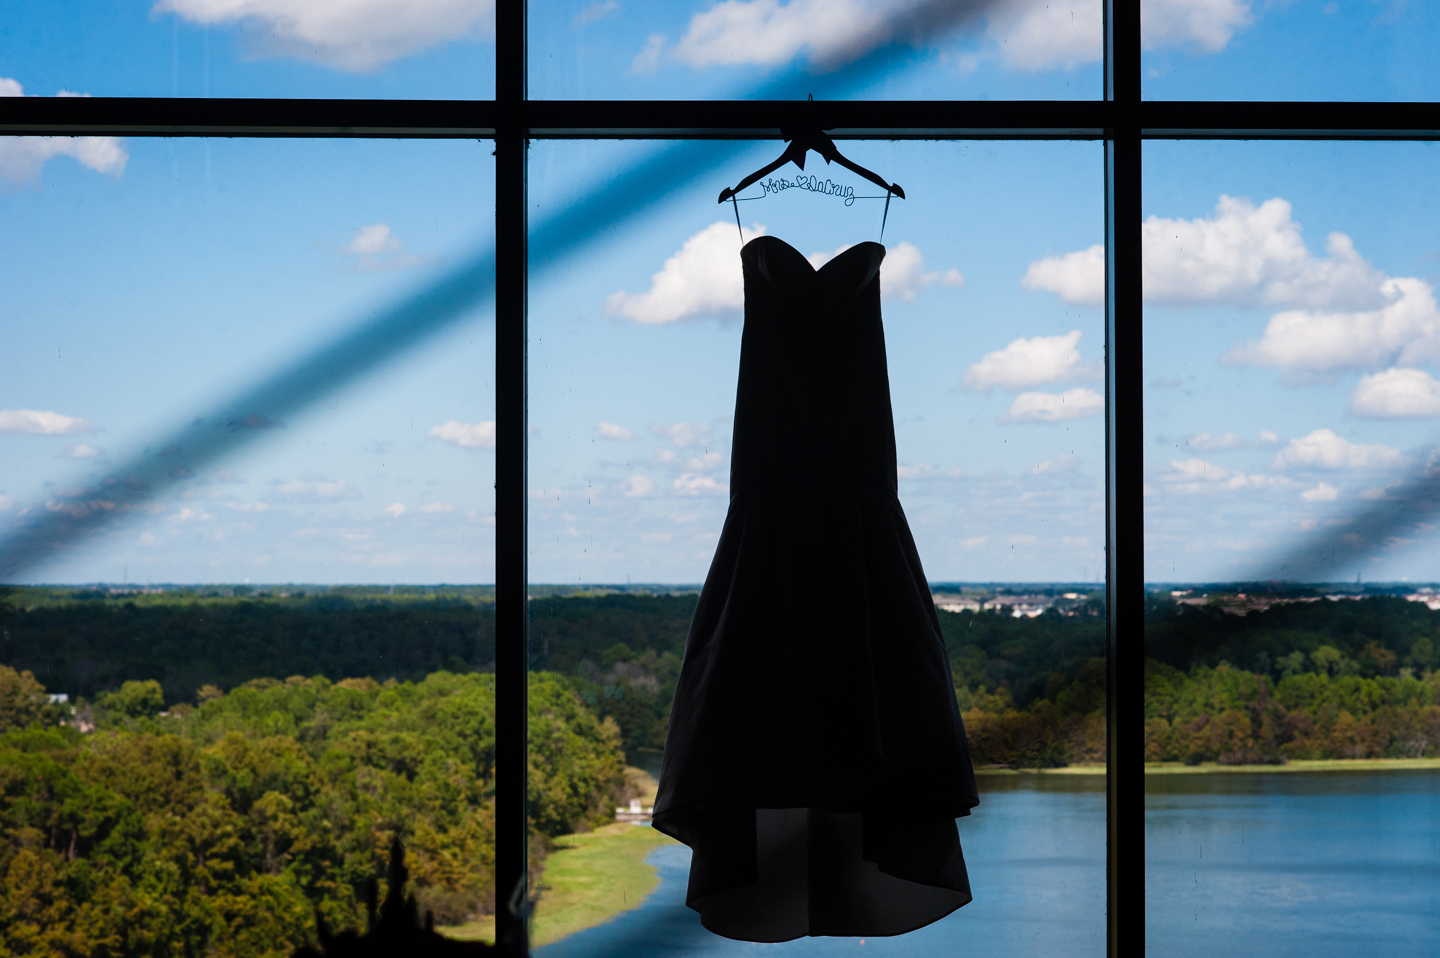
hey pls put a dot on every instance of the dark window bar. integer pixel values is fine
(718, 119)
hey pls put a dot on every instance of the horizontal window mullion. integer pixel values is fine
(711, 119)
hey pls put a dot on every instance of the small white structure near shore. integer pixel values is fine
(633, 812)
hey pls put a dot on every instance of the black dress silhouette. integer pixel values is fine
(816, 760)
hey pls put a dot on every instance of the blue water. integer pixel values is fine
(1293, 864)
(1037, 868)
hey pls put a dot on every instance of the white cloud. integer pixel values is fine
(649, 58)
(1054, 407)
(1207, 25)
(34, 422)
(358, 36)
(1322, 449)
(595, 12)
(1034, 35)
(81, 451)
(1246, 255)
(765, 33)
(974, 542)
(1397, 393)
(702, 279)
(1321, 493)
(1045, 34)
(697, 485)
(373, 240)
(609, 430)
(437, 507)
(318, 489)
(1204, 442)
(706, 462)
(187, 514)
(1197, 475)
(395, 509)
(637, 485)
(1406, 331)
(6, 503)
(682, 434)
(22, 157)
(466, 435)
(376, 249)
(1077, 277)
(922, 471)
(1032, 362)
(902, 272)
(658, 537)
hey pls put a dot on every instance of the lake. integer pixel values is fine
(1246, 865)
(1036, 854)
(1320, 865)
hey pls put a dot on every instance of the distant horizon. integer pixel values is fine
(937, 584)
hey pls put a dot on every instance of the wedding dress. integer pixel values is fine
(816, 761)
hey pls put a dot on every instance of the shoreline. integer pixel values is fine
(1299, 765)
(1213, 768)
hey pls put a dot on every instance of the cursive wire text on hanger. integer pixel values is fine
(812, 184)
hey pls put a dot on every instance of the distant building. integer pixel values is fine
(955, 603)
(1019, 606)
(58, 698)
(1431, 600)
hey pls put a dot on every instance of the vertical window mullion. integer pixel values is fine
(511, 575)
(1124, 490)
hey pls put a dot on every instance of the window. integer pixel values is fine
(604, 114)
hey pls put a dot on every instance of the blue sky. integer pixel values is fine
(1289, 318)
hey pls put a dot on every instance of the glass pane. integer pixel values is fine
(1291, 683)
(244, 432)
(1312, 50)
(993, 339)
(760, 49)
(368, 49)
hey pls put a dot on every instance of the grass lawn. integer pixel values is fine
(1298, 765)
(1066, 770)
(588, 879)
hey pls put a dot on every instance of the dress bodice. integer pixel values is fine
(813, 390)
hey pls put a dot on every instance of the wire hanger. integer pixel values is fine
(802, 140)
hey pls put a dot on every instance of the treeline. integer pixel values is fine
(1032, 690)
(1311, 680)
(620, 652)
(220, 827)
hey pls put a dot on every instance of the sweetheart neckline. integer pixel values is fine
(806, 260)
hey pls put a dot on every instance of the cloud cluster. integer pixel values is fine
(702, 279)
(610, 430)
(466, 435)
(357, 36)
(1054, 407)
(1199, 476)
(34, 422)
(1397, 394)
(1323, 449)
(376, 249)
(1077, 277)
(22, 157)
(1027, 35)
(1037, 361)
(682, 434)
(1204, 442)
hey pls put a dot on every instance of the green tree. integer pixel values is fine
(22, 699)
(135, 700)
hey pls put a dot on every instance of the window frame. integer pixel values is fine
(1121, 119)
